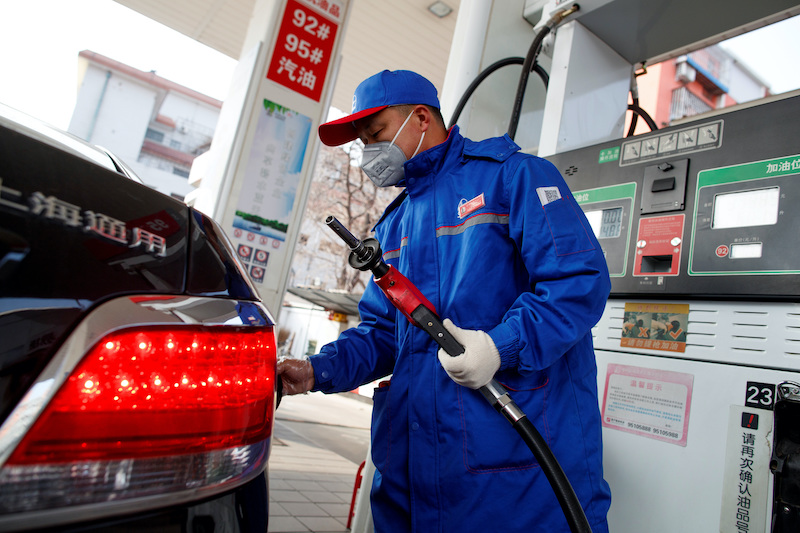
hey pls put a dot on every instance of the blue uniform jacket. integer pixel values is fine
(494, 239)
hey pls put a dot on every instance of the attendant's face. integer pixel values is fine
(384, 125)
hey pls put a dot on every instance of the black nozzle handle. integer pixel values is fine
(338, 228)
(352, 242)
(433, 326)
(364, 255)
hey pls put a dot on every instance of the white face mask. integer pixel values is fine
(383, 161)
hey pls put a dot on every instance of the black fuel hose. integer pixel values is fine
(634, 91)
(533, 52)
(537, 68)
(637, 110)
(485, 73)
(634, 119)
(565, 494)
(497, 395)
(642, 113)
(530, 58)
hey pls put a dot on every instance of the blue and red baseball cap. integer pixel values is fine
(376, 93)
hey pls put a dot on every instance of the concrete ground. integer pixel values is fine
(311, 486)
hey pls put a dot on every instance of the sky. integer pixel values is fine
(772, 53)
(40, 41)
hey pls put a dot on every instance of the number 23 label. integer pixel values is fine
(760, 395)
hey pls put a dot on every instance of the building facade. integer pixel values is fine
(695, 83)
(156, 126)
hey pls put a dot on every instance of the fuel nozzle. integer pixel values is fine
(364, 255)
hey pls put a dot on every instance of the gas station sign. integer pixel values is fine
(269, 186)
(304, 46)
(261, 162)
(745, 487)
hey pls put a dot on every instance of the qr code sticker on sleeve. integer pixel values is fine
(548, 194)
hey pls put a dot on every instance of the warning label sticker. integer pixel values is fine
(648, 402)
(655, 326)
(745, 487)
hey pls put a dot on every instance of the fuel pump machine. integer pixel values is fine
(698, 350)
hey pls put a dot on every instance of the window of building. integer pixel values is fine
(175, 144)
(180, 172)
(154, 135)
(686, 104)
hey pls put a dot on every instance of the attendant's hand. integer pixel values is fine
(478, 364)
(297, 375)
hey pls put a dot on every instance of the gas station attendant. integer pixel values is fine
(494, 239)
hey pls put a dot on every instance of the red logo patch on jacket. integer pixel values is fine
(468, 207)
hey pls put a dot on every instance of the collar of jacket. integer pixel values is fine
(431, 160)
(454, 148)
(457, 147)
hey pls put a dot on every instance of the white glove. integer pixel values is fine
(477, 365)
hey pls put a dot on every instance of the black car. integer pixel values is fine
(137, 361)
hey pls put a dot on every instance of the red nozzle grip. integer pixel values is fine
(403, 294)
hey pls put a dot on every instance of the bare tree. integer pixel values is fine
(339, 188)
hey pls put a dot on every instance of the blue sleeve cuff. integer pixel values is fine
(507, 343)
(323, 372)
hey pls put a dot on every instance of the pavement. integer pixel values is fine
(311, 486)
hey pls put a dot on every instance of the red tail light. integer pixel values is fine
(162, 391)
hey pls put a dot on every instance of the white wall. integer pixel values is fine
(86, 104)
(180, 107)
(120, 119)
(742, 87)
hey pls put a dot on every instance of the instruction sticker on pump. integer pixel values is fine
(746, 479)
(655, 326)
(648, 402)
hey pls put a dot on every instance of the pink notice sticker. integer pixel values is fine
(648, 402)
(467, 207)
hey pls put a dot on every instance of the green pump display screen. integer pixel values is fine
(606, 223)
(743, 209)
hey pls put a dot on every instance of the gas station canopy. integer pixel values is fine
(409, 35)
(653, 31)
(380, 35)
